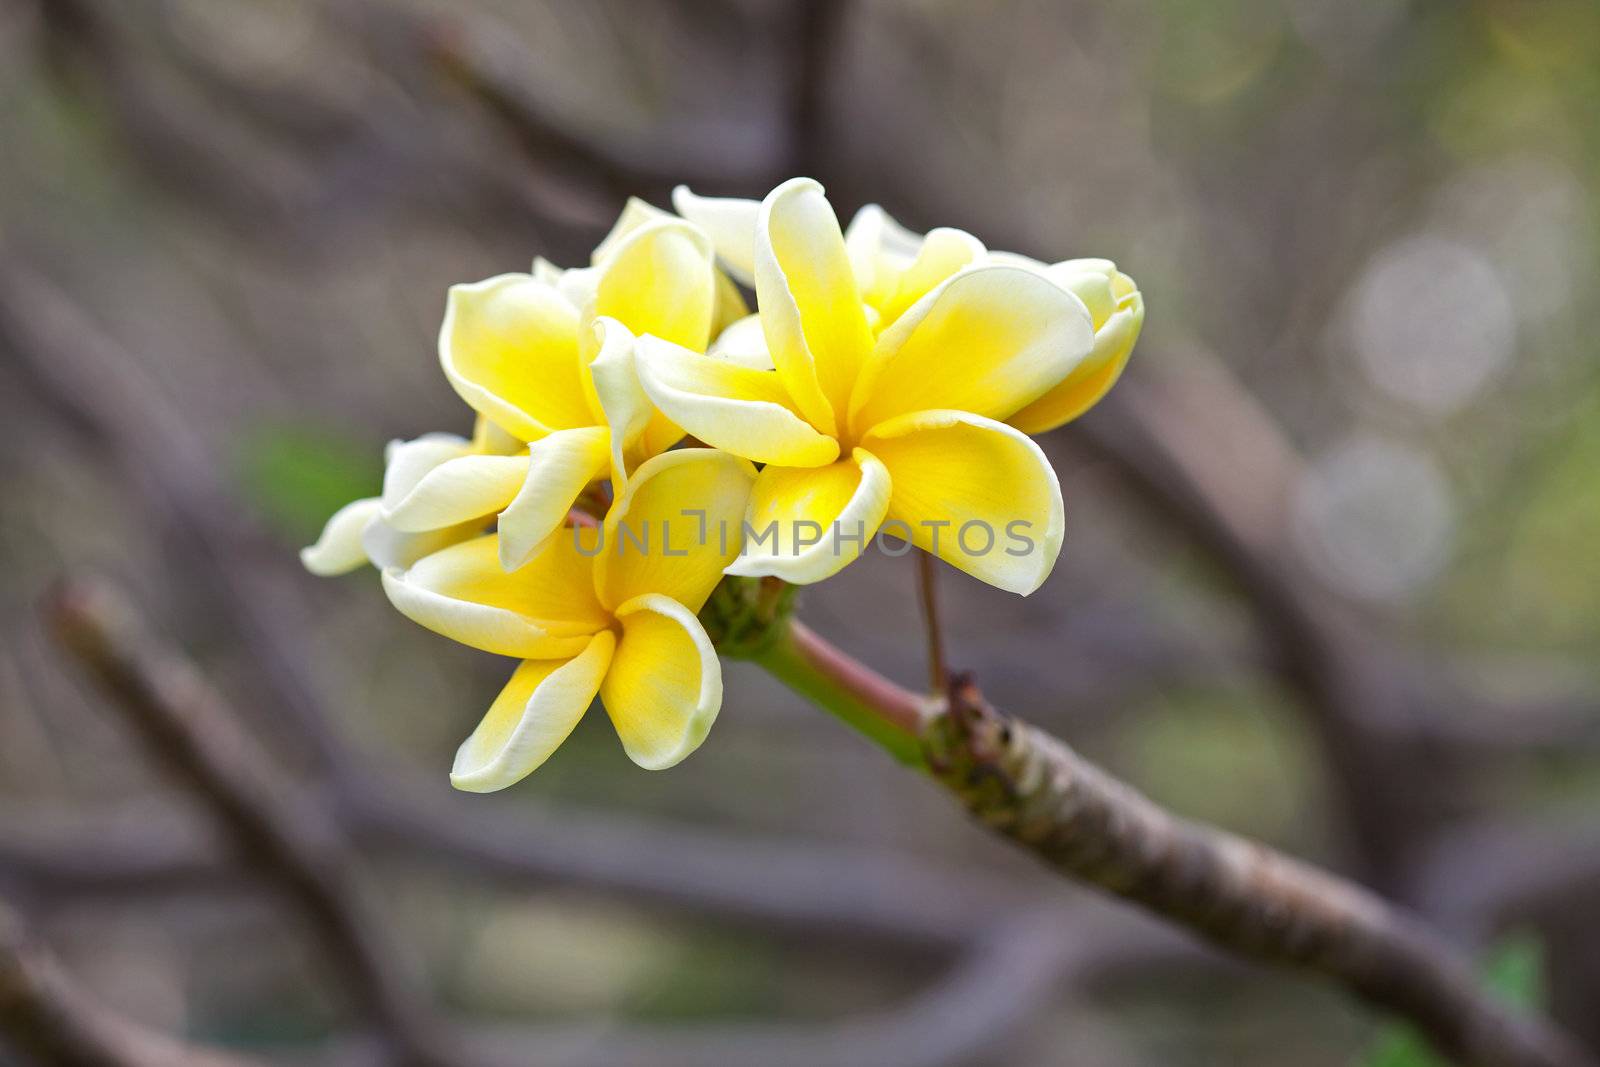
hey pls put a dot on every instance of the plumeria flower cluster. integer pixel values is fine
(640, 434)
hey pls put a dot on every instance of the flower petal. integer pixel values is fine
(491, 440)
(559, 467)
(438, 480)
(457, 490)
(635, 213)
(542, 610)
(1091, 379)
(338, 549)
(988, 340)
(659, 280)
(674, 528)
(942, 253)
(743, 343)
(730, 306)
(546, 271)
(978, 493)
(807, 523)
(730, 222)
(533, 714)
(743, 411)
(664, 688)
(387, 547)
(879, 249)
(810, 308)
(616, 383)
(405, 463)
(509, 346)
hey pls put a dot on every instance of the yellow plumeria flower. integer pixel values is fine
(859, 432)
(549, 360)
(594, 611)
(546, 360)
(895, 267)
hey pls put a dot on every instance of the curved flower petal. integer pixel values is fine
(1091, 379)
(338, 549)
(674, 528)
(734, 408)
(405, 463)
(659, 280)
(805, 524)
(387, 547)
(743, 343)
(988, 340)
(664, 688)
(815, 324)
(491, 440)
(635, 213)
(879, 248)
(457, 490)
(616, 384)
(977, 493)
(559, 467)
(546, 271)
(730, 305)
(942, 253)
(730, 222)
(533, 714)
(509, 346)
(540, 611)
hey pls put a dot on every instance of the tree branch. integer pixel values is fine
(1240, 895)
(47, 1016)
(272, 824)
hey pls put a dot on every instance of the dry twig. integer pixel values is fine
(1247, 898)
(271, 823)
(46, 1015)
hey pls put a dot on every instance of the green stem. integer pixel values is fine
(876, 707)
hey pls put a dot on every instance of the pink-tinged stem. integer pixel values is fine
(889, 714)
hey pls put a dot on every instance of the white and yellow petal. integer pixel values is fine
(405, 463)
(626, 406)
(879, 248)
(635, 213)
(743, 343)
(805, 524)
(811, 311)
(988, 340)
(976, 492)
(674, 528)
(543, 610)
(942, 254)
(664, 687)
(509, 347)
(533, 714)
(546, 271)
(490, 440)
(659, 280)
(339, 549)
(456, 491)
(1093, 378)
(735, 408)
(730, 223)
(388, 547)
(557, 470)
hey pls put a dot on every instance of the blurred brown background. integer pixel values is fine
(1331, 579)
